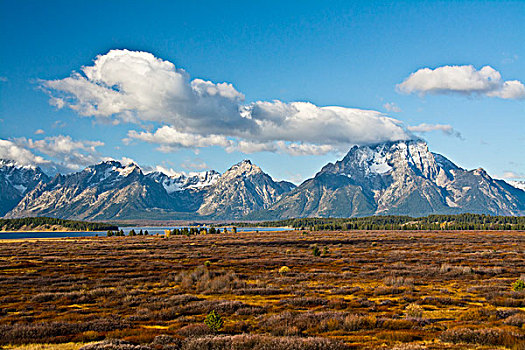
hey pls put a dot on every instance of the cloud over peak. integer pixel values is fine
(64, 154)
(11, 151)
(137, 87)
(444, 128)
(465, 80)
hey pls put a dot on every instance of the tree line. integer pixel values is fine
(185, 231)
(48, 223)
(394, 222)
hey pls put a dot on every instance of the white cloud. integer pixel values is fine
(21, 155)
(392, 107)
(59, 124)
(194, 164)
(137, 87)
(464, 80)
(66, 153)
(509, 58)
(173, 139)
(511, 89)
(303, 149)
(253, 147)
(297, 128)
(133, 86)
(63, 154)
(292, 148)
(512, 175)
(161, 169)
(444, 128)
(307, 123)
(39, 132)
(124, 160)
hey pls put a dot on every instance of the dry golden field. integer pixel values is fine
(364, 290)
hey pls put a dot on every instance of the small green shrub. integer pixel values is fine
(316, 251)
(519, 285)
(214, 321)
(207, 263)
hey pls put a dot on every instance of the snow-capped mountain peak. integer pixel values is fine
(8, 163)
(128, 169)
(385, 159)
(181, 181)
(397, 178)
(393, 178)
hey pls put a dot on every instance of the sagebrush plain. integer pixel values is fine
(279, 290)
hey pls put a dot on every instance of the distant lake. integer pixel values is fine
(151, 230)
(48, 234)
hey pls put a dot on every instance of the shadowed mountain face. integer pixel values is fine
(110, 190)
(107, 190)
(397, 178)
(15, 182)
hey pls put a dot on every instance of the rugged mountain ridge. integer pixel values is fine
(180, 182)
(397, 178)
(241, 190)
(104, 191)
(110, 190)
(16, 181)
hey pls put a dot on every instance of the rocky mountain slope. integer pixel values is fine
(398, 178)
(110, 190)
(15, 182)
(181, 182)
(242, 189)
(107, 190)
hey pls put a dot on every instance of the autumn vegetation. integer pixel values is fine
(269, 290)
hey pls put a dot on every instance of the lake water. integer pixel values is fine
(151, 230)
(50, 234)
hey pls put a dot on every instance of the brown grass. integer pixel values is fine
(375, 289)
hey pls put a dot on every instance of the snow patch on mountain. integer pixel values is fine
(20, 177)
(176, 182)
(8, 163)
(127, 170)
(517, 184)
(397, 178)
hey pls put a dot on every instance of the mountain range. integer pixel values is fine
(16, 181)
(397, 178)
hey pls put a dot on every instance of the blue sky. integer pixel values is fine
(338, 53)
